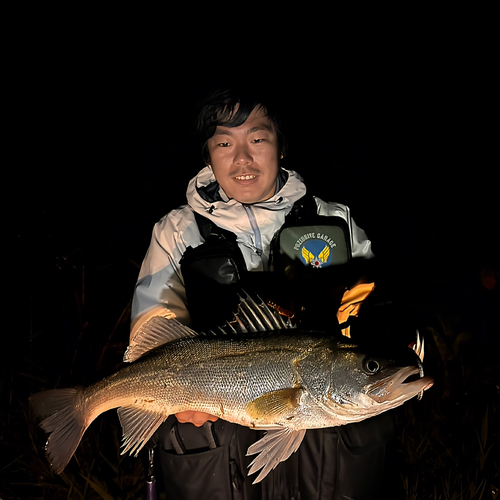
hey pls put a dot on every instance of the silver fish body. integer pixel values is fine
(284, 381)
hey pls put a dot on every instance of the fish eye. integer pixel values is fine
(371, 366)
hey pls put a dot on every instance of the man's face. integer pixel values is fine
(245, 159)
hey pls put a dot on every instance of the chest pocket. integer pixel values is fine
(308, 242)
(212, 272)
(312, 255)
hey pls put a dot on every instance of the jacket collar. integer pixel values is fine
(204, 192)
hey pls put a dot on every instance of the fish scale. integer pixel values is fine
(202, 377)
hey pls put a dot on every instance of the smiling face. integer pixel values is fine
(245, 159)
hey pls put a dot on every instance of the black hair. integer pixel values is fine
(219, 109)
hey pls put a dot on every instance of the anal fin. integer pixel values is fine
(275, 447)
(138, 426)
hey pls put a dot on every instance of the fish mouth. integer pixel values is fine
(402, 384)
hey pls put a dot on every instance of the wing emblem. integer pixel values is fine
(316, 262)
(307, 255)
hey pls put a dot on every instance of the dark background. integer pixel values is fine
(100, 139)
(104, 146)
(98, 143)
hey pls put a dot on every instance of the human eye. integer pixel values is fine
(258, 141)
(223, 144)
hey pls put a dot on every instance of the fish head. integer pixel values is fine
(365, 382)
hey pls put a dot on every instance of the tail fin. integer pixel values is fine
(66, 423)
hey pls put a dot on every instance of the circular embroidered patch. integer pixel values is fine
(315, 249)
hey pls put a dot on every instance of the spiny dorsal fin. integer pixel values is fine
(253, 317)
(154, 332)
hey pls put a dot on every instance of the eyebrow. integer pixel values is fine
(227, 131)
(260, 127)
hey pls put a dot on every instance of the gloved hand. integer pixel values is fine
(351, 303)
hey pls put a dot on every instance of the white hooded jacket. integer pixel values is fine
(160, 288)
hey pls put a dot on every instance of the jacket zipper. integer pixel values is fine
(255, 228)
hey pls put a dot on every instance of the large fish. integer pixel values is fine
(262, 375)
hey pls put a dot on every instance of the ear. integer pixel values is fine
(205, 154)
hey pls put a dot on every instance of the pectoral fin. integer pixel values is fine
(274, 447)
(138, 426)
(276, 403)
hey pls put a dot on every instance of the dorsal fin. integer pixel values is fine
(252, 317)
(156, 331)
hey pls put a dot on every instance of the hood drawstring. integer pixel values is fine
(255, 228)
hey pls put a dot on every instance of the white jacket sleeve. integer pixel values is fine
(361, 246)
(160, 288)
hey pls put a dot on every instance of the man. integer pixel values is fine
(242, 190)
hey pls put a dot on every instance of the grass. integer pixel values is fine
(448, 444)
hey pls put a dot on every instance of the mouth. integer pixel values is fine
(403, 384)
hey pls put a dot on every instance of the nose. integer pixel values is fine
(242, 157)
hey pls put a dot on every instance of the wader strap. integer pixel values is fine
(210, 434)
(208, 430)
(177, 441)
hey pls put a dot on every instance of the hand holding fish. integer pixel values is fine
(197, 418)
